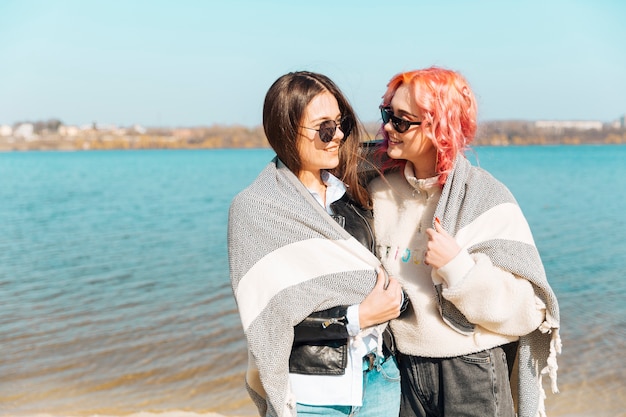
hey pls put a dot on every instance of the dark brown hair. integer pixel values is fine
(283, 111)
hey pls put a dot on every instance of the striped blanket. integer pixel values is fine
(287, 258)
(470, 201)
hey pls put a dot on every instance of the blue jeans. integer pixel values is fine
(381, 396)
(475, 385)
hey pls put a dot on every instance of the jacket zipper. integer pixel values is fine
(327, 321)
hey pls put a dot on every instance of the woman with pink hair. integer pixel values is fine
(482, 325)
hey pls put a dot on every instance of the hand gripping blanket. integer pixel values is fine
(470, 201)
(287, 258)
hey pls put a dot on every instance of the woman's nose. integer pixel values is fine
(338, 134)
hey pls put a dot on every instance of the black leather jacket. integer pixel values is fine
(320, 344)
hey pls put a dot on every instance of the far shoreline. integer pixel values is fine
(260, 148)
(53, 135)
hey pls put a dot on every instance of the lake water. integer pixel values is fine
(115, 297)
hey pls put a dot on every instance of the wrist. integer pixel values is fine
(352, 315)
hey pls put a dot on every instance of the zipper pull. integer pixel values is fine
(331, 321)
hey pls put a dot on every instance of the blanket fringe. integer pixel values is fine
(552, 365)
(541, 410)
(550, 368)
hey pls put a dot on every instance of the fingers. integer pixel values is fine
(386, 285)
(383, 278)
(394, 287)
(438, 226)
(389, 284)
(397, 296)
(381, 304)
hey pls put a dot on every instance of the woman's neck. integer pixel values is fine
(313, 181)
(425, 166)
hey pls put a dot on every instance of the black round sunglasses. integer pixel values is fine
(400, 125)
(328, 128)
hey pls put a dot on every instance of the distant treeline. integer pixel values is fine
(52, 135)
(504, 133)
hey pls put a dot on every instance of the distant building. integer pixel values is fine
(6, 130)
(139, 129)
(104, 127)
(569, 124)
(25, 130)
(68, 130)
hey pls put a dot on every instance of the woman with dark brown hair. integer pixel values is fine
(313, 299)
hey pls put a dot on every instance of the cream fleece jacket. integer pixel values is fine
(500, 304)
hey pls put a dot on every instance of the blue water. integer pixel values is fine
(114, 289)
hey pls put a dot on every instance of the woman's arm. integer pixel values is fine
(492, 297)
(384, 303)
(486, 295)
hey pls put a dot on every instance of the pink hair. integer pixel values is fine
(449, 108)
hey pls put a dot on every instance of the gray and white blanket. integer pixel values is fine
(288, 258)
(469, 193)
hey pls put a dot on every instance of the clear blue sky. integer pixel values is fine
(205, 62)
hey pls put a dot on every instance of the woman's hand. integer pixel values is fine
(383, 303)
(441, 247)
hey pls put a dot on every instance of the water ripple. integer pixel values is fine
(114, 275)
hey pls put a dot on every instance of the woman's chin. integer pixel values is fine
(394, 153)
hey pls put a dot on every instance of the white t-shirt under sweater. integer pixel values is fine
(502, 306)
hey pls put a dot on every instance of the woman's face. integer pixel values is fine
(411, 145)
(316, 155)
